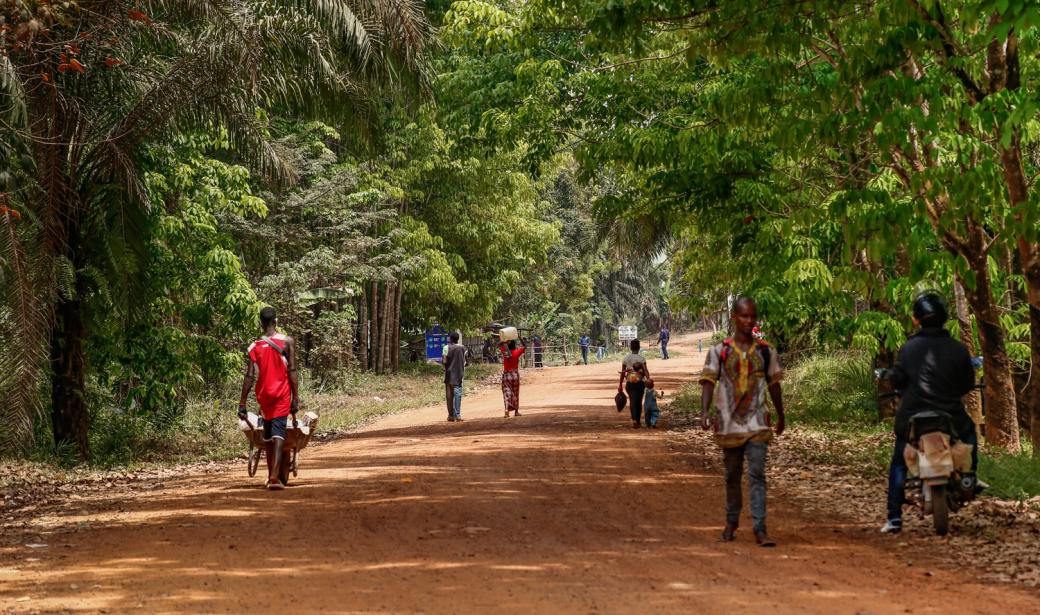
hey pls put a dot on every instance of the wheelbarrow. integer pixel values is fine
(297, 435)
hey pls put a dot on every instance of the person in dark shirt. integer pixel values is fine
(662, 339)
(583, 343)
(454, 370)
(934, 372)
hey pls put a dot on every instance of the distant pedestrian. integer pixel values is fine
(583, 343)
(650, 409)
(511, 376)
(454, 371)
(633, 375)
(662, 339)
(537, 343)
(737, 375)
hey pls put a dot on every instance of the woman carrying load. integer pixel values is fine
(634, 374)
(511, 375)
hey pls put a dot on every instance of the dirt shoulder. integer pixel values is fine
(565, 509)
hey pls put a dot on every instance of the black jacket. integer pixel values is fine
(934, 372)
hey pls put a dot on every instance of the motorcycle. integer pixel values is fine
(940, 480)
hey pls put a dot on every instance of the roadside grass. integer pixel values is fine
(1012, 477)
(832, 420)
(207, 429)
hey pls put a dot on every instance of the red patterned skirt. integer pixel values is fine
(511, 390)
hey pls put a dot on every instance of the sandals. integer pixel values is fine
(274, 485)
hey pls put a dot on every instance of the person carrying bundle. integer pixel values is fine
(511, 375)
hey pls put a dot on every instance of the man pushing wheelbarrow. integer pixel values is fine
(271, 363)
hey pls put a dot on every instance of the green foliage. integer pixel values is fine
(192, 294)
(332, 354)
(832, 388)
(1015, 477)
(89, 98)
(473, 215)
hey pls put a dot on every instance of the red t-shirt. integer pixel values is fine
(273, 392)
(511, 358)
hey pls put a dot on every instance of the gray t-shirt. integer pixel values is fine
(454, 364)
(632, 363)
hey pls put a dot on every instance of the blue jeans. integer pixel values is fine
(664, 349)
(756, 473)
(585, 354)
(897, 472)
(454, 399)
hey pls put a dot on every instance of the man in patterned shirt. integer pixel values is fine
(737, 374)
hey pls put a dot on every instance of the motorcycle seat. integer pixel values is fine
(929, 421)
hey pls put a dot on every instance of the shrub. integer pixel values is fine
(832, 387)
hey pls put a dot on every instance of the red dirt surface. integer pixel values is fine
(566, 509)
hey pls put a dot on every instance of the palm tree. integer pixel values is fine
(84, 90)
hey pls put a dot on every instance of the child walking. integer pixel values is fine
(650, 409)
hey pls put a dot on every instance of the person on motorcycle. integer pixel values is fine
(933, 371)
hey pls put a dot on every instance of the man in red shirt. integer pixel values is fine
(271, 362)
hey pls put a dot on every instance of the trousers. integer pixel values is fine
(756, 473)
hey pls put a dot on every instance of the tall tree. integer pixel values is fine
(85, 88)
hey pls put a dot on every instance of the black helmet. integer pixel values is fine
(930, 309)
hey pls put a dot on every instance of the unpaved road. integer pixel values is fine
(566, 509)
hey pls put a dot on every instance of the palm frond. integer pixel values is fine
(12, 94)
(24, 324)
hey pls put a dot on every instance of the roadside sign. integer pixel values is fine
(436, 340)
(627, 333)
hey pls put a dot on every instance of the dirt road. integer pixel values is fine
(566, 509)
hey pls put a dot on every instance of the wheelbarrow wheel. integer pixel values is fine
(254, 460)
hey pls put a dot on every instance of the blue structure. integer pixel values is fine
(436, 340)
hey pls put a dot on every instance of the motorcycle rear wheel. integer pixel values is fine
(940, 510)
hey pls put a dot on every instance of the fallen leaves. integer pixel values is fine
(138, 15)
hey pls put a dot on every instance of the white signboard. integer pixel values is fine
(627, 333)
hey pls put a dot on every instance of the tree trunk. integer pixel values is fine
(374, 318)
(70, 419)
(384, 342)
(887, 406)
(1005, 55)
(1001, 414)
(363, 332)
(1031, 392)
(973, 401)
(396, 343)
